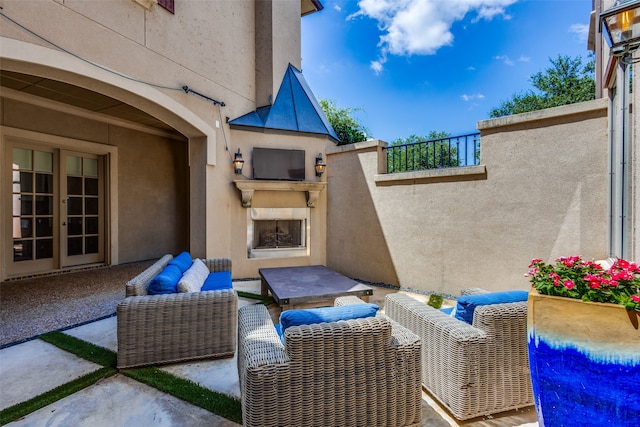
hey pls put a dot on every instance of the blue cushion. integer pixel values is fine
(166, 282)
(468, 303)
(218, 281)
(182, 261)
(447, 310)
(326, 314)
(278, 327)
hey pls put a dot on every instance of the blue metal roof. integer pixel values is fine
(295, 109)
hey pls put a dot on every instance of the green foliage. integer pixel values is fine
(438, 153)
(347, 127)
(435, 301)
(567, 81)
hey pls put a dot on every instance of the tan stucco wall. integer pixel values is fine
(541, 191)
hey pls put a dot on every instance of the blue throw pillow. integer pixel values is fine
(468, 303)
(310, 316)
(182, 261)
(217, 281)
(166, 282)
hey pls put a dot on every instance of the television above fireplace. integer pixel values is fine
(278, 164)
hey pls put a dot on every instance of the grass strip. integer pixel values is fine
(264, 300)
(19, 410)
(188, 391)
(80, 348)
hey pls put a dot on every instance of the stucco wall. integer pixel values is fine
(540, 192)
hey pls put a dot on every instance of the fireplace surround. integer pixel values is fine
(278, 232)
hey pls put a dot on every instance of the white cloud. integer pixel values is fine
(580, 30)
(511, 62)
(337, 7)
(465, 97)
(421, 27)
(377, 66)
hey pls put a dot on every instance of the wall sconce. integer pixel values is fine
(621, 28)
(320, 165)
(238, 162)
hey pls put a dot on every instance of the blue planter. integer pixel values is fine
(585, 363)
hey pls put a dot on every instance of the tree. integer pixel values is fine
(348, 128)
(567, 81)
(421, 152)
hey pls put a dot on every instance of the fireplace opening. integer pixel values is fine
(278, 234)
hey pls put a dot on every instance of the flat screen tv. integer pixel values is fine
(278, 164)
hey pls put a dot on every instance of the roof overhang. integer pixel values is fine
(310, 6)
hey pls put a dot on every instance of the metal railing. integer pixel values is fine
(453, 151)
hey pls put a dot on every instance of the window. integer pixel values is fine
(167, 4)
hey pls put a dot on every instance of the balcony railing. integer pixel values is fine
(454, 151)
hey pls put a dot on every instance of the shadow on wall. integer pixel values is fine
(356, 233)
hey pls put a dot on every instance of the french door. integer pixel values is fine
(57, 209)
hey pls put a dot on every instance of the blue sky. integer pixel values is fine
(416, 66)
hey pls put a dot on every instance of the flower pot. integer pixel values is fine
(584, 359)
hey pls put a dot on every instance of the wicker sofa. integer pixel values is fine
(157, 329)
(472, 370)
(360, 372)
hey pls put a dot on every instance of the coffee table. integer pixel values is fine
(308, 286)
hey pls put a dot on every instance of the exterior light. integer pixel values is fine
(238, 162)
(621, 27)
(320, 165)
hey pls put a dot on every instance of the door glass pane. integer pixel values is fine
(22, 250)
(22, 158)
(91, 186)
(74, 206)
(90, 167)
(91, 245)
(91, 225)
(26, 182)
(26, 227)
(43, 161)
(44, 227)
(44, 205)
(74, 226)
(74, 165)
(74, 246)
(26, 204)
(44, 183)
(91, 206)
(44, 248)
(74, 185)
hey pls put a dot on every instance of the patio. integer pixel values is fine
(34, 367)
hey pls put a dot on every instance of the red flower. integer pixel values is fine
(569, 284)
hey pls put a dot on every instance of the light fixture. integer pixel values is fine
(238, 162)
(621, 27)
(320, 165)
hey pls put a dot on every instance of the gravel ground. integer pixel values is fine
(32, 307)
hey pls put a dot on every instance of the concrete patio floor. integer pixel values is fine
(34, 367)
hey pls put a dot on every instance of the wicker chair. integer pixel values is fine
(157, 329)
(472, 370)
(363, 372)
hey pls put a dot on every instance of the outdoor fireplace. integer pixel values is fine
(277, 232)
